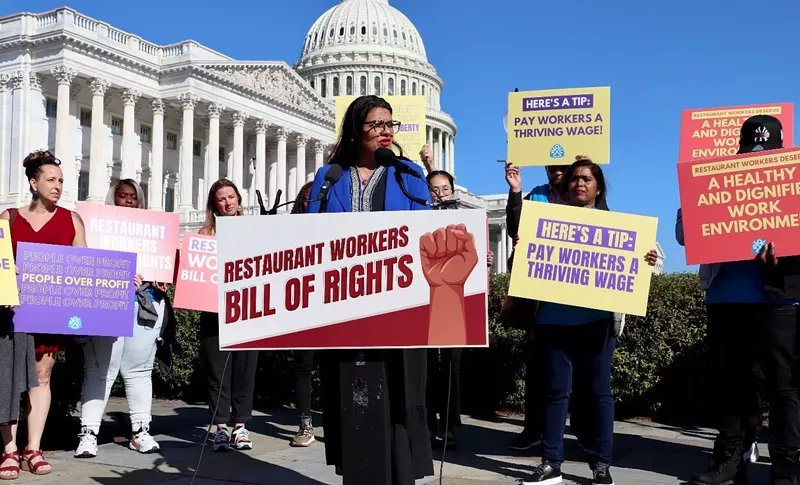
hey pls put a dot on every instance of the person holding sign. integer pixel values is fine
(107, 357)
(26, 361)
(577, 344)
(231, 375)
(752, 326)
(391, 435)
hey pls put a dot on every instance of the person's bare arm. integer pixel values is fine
(80, 231)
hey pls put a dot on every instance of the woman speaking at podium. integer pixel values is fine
(387, 442)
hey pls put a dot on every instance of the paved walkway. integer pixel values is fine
(645, 453)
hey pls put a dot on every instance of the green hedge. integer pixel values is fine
(660, 367)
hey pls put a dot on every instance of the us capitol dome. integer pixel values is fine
(362, 47)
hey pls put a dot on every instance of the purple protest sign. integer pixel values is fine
(547, 103)
(75, 291)
(598, 236)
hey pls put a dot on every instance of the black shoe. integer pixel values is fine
(526, 439)
(727, 468)
(544, 474)
(602, 476)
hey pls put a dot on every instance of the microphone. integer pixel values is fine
(331, 177)
(386, 158)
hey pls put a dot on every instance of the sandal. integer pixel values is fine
(10, 468)
(28, 456)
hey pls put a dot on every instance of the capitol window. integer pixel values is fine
(414, 88)
(377, 86)
(222, 154)
(336, 86)
(116, 125)
(385, 32)
(341, 31)
(331, 34)
(172, 141)
(402, 87)
(197, 148)
(363, 85)
(395, 34)
(390, 89)
(323, 87)
(352, 30)
(144, 133)
(374, 30)
(51, 107)
(404, 36)
(86, 117)
(363, 30)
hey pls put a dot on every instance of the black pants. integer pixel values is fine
(303, 367)
(444, 369)
(535, 396)
(235, 388)
(732, 340)
(777, 345)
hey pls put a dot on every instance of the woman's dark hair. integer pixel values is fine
(348, 147)
(33, 165)
(299, 206)
(211, 204)
(597, 173)
(443, 173)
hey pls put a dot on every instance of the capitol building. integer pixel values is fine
(178, 117)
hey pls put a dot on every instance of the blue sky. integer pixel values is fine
(658, 57)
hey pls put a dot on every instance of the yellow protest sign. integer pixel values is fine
(9, 293)
(583, 257)
(409, 110)
(552, 127)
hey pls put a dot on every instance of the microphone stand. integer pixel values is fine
(275, 206)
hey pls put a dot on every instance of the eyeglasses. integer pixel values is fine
(442, 191)
(380, 125)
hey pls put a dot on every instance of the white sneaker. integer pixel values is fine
(87, 448)
(143, 442)
(752, 455)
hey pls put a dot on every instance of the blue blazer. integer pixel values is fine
(339, 194)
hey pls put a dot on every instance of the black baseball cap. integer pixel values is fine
(759, 133)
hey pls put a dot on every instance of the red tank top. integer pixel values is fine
(59, 230)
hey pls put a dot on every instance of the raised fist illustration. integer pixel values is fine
(448, 255)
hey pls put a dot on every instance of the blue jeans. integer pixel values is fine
(587, 350)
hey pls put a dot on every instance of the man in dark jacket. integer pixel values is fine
(768, 343)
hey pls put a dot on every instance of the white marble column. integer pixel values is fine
(501, 248)
(164, 188)
(261, 155)
(157, 156)
(272, 149)
(301, 162)
(64, 76)
(186, 177)
(129, 98)
(430, 140)
(17, 138)
(439, 148)
(98, 177)
(281, 172)
(238, 148)
(319, 156)
(453, 156)
(4, 192)
(214, 112)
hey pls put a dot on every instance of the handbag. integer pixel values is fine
(518, 313)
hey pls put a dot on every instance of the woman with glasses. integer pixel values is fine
(443, 393)
(132, 357)
(386, 442)
(26, 361)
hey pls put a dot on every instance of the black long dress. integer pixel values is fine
(374, 414)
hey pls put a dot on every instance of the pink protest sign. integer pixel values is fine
(196, 283)
(152, 235)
